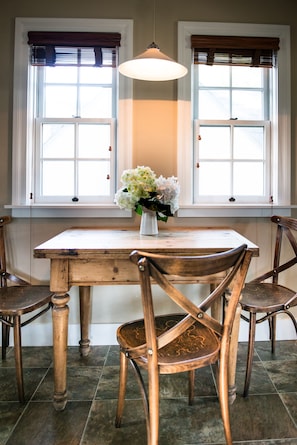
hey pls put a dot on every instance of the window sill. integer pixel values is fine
(230, 211)
(110, 211)
(68, 211)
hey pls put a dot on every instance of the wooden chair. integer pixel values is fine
(183, 341)
(15, 300)
(270, 298)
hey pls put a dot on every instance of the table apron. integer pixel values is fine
(82, 272)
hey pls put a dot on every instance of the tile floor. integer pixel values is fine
(267, 417)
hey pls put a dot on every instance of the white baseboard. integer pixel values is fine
(41, 334)
(105, 334)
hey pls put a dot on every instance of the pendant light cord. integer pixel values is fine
(154, 22)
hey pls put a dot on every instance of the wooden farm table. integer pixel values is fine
(92, 256)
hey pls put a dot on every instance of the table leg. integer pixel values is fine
(60, 313)
(85, 313)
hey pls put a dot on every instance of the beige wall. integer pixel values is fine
(153, 102)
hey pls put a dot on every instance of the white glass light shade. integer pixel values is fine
(152, 65)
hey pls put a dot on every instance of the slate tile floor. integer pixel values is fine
(267, 417)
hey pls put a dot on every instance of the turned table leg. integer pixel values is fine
(60, 313)
(85, 312)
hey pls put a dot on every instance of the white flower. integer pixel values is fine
(169, 189)
(140, 182)
(141, 188)
(125, 200)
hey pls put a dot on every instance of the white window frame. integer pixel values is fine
(22, 157)
(281, 123)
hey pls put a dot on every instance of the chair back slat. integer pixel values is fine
(183, 302)
(3, 278)
(6, 276)
(285, 228)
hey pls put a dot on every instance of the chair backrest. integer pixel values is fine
(4, 274)
(232, 265)
(285, 228)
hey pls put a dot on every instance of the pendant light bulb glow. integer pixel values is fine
(152, 65)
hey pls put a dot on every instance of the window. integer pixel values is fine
(234, 120)
(72, 115)
(231, 129)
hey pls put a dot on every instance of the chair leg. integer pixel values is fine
(4, 340)
(3, 328)
(273, 333)
(191, 387)
(153, 430)
(7, 332)
(18, 357)
(223, 385)
(250, 354)
(122, 389)
(5, 337)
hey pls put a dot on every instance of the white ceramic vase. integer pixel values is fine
(149, 223)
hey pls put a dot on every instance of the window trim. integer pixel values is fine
(21, 165)
(282, 111)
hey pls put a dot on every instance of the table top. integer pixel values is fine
(89, 242)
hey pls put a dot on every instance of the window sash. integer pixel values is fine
(265, 162)
(39, 196)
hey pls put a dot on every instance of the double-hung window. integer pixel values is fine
(231, 128)
(74, 79)
(231, 104)
(73, 140)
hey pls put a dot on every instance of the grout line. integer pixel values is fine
(94, 397)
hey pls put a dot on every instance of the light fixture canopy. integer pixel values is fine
(152, 65)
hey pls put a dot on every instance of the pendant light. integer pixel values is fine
(152, 64)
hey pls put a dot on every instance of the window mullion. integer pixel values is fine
(232, 161)
(76, 160)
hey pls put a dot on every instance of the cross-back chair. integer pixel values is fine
(185, 341)
(270, 298)
(17, 297)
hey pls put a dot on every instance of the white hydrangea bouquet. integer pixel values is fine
(142, 188)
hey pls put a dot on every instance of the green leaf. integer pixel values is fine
(138, 209)
(162, 217)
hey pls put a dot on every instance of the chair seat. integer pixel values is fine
(18, 300)
(265, 297)
(197, 343)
